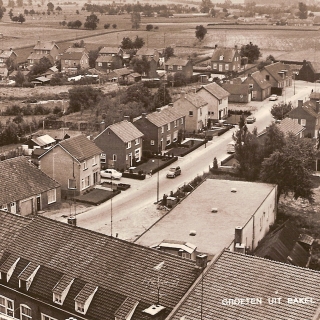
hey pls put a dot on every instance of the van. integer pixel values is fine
(231, 147)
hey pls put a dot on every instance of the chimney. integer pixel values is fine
(239, 247)
(102, 126)
(201, 260)
(72, 221)
(126, 118)
(317, 106)
(182, 94)
(144, 115)
(238, 235)
(215, 46)
(158, 109)
(171, 104)
(300, 103)
(154, 312)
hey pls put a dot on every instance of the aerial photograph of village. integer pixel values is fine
(159, 160)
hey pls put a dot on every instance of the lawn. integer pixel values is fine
(96, 196)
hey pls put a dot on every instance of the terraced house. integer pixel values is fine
(55, 271)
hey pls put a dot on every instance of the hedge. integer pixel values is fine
(135, 176)
(162, 166)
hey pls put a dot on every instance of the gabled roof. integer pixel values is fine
(104, 59)
(144, 51)
(314, 96)
(46, 45)
(260, 80)
(125, 130)
(236, 88)
(164, 116)
(5, 54)
(227, 54)
(216, 90)
(37, 56)
(79, 147)
(308, 106)
(274, 68)
(112, 50)
(177, 62)
(70, 55)
(234, 276)
(288, 125)
(282, 245)
(195, 100)
(122, 71)
(20, 179)
(117, 268)
(71, 49)
(43, 140)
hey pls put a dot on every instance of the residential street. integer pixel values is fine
(133, 211)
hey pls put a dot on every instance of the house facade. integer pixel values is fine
(149, 53)
(160, 128)
(111, 51)
(6, 55)
(51, 270)
(310, 71)
(43, 49)
(195, 110)
(259, 86)
(184, 66)
(74, 163)
(74, 59)
(225, 60)
(107, 63)
(121, 145)
(27, 190)
(217, 99)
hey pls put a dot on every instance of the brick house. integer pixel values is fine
(224, 60)
(74, 163)
(111, 51)
(108, 63)
(51, 270)
(239, 93)
(160, 128)
(43, 49)
(184, 66)
(217, 99)
(27, 189)
(260, 87)
(195, 110)
(310, 71)
(121, 145)
(149, 53)
(6, 55)
(74, 59)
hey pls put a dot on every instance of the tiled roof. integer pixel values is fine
(195, 100)
(85, 292)
(122, 71)
(62, 284)
(145, 52)
(72, 55)
(128, 305)
(37, 56)
(281, 244)
(80, 147)
(274, 69)
(118, 268)
(45, 45)
(216, 90)
(111, 50)
(27, 272)
(177, 62)
(227, 53)
(163, 117)
(315, 96)
(104, 59)
(308, 106)
(6, 54)
(236, 88)
(288, 125)
(43, 140)
(20, 179)
(71, 49)
(125, 130)
(8, 263)
(260, 80)
(236, 276)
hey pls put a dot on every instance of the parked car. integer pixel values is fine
(231, 147)
(250, 119)
(111, 174)
(173, 172)
(273, 97)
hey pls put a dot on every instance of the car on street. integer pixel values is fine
(110, 174)
(250, 119)
(273, 97)
(231, 147)
(173, 172)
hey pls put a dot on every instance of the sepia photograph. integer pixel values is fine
(159, 160)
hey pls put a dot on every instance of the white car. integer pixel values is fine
(273, 97)
(111, 174)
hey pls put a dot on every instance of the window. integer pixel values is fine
(170, 67)
(94, 161)
(152, 142)
(85, 165)
(57, 298)
(200, 110)
(6, 306)
(168, 140)
(45, 317)
(175, 123)
(267, 77)
(80, 307)
(214, 66)
(51, 196)
(303, 122)
(103, 158)
(25, 312)
(109, 64)
(137, 141)
(251, 86)
(114, 157)
(85, 183)
(168, 126)
(66, 61)
(179, 68)
(72, 184)
(99, 64)
(221, 57)
(181, 121)
(226, 66)
(191, 113)
(129, 145)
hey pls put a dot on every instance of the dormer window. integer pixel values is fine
(80, 307)
(84, 298)
(57, 298)
(221, 58)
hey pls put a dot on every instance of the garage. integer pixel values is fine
(26, 207)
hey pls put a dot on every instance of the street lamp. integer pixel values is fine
(295, 73)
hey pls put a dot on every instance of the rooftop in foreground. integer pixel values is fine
(214, 230)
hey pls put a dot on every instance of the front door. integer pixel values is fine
(38, 203)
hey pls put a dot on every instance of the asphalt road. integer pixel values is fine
(134, 210)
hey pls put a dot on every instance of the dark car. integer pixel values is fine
(173, 172)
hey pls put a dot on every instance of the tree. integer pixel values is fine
(93, 55)
(149, 27)
(50, 6)
(201, 31)
(141, 66)
(269, 60)
(114, 26)
(162, 97)
(291, 168)
(168, 53)
(82, 97)
(10, 13)
(303, 11)
(280, 110)
(1, 13)
(91, 22)
(58, 9)
(205, 6)
(79, 44)
(274, 140)
(135, 20)
(248, 153)
(251, 51)
(126, 43)
(138, 43)
(140, 94)
(43, 65)
(19, 79)
(106, 26)
(21, 18)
